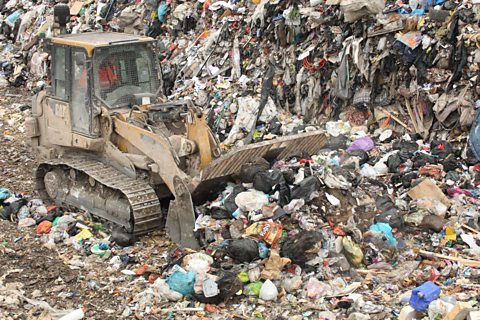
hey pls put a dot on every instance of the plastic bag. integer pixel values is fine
(292, 284)
(316, 288)
(302, 248)
(4, 194)
(269, 291)
(182, 282)
(7, 211)
(269, 232)
(387, 231)
(438, 309)
(390, 214)
(44, 227)
(354, 10)
(197, 262)
(305, 188)
(243, 250)
(251, 200)
(250, 169)
(228, 285)
(229, 201)
(253, 289)
(164, 290)
(363, 143)
(266, 180)
(352, 251)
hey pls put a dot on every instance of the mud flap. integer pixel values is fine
(181, 218)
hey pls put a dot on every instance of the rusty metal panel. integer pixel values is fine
(230, 163)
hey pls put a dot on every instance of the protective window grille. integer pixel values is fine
(120, 72)
(60, 72)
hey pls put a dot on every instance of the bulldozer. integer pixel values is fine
(106, 143)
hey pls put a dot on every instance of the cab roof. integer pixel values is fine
(91, 40)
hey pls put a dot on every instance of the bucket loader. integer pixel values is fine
(105, 144)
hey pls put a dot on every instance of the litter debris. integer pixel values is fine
(380, 219)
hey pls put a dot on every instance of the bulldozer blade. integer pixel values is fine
(280, 148)
(181, 222)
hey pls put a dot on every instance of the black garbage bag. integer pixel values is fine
(390, 213)
(289, 176)
(301, 248)
(361, 155)
(470, 158)
(275, 126)
(441, 148)
(108, 11)
(421, 159)
(154, 29)
(250, 169)
(220, 213)
(265, 181)
(243, 250)
(336, 143)
(407, 148)
(228, 285)
(394, 162)
(405, 179)
(305, 188)
(451, 163)
(284, 194)
(12, 209)
(229, 202)
(122, 237)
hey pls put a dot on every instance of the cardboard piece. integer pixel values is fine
(76, 7)
(459, 312)
(428, 189)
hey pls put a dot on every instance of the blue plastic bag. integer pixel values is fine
(263, 250)
(13, 17)
(162, 12)
(423, 295)
(387, 231)
(182, 282)
(420, 12)
(4, 194)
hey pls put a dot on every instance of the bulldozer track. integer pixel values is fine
(145, 215)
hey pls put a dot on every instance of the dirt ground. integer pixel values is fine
(16, 161)
(26, 263)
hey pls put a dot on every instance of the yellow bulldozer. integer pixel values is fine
(106, 144)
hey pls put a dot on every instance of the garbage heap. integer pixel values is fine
(372, 226)
(413, 65)
(382, 223)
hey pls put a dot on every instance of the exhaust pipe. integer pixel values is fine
(61, 16)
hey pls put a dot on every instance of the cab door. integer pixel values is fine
(58, 120)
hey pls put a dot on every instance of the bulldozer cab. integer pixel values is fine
(92, 69)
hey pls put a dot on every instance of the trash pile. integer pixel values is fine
(382, 223)
(372, 226)
(412, 65)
